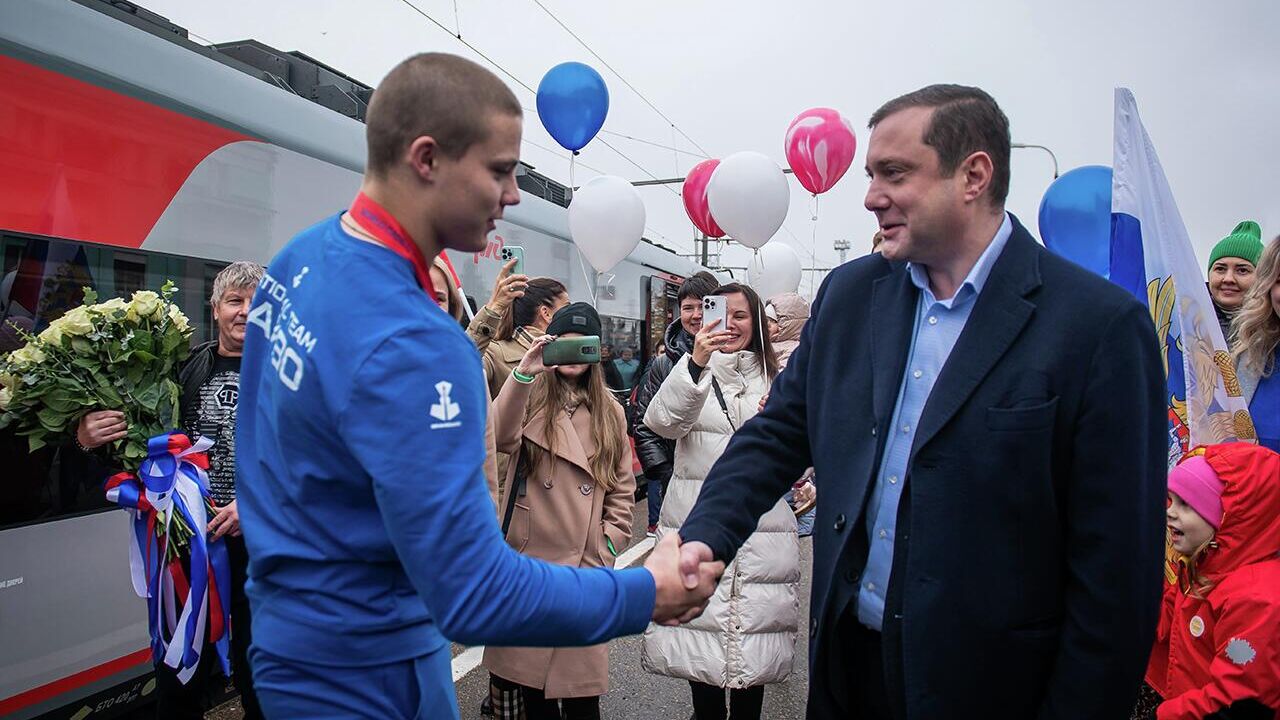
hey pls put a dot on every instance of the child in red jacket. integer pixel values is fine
(1217, 651)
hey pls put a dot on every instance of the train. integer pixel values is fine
(131, 155)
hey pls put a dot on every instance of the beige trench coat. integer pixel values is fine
(499, 357)
(564, 518)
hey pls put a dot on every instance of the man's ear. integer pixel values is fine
(423, 156)
(977, 171)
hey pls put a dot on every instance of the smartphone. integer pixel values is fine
(572, 351)
(513, 252)
(714, 307)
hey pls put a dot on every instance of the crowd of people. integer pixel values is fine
(990, 535)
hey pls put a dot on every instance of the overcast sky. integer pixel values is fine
(733, 74)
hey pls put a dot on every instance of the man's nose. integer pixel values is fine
(876, 199)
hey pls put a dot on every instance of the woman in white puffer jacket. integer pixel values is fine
(746, 638)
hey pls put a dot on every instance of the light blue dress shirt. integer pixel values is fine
(938, 324)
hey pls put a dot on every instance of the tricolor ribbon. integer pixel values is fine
(171, 483)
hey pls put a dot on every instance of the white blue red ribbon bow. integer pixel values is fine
(182, 610)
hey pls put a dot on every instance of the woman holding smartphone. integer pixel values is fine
(569, 494)
(746, 637)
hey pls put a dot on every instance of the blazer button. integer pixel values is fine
(585, 488)
(873, 432)
(850, 576)
(839, 522)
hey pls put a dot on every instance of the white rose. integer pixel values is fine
(5, 396)
(8, 382)
(76, 322)
(27, 355)
(111, 306)
(178, 319)
(145, 304)
(53, 333)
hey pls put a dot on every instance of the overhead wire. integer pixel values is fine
(526, 86)
(473, 48)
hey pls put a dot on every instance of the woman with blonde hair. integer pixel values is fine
(568, 500)
(1256, 329)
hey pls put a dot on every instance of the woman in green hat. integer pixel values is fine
(1231, 271)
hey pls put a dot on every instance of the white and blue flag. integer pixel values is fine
(1152, 257)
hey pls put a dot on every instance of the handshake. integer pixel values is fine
(686, 576)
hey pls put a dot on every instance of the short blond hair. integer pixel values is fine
(236, 276)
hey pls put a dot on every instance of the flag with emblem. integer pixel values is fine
(1152, 257)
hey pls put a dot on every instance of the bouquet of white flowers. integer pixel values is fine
(114, 355)
(119, 355)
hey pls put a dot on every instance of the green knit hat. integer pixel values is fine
(1245, 242)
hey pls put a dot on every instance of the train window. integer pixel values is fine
(623, 334)
(130, 273)
(43, 278)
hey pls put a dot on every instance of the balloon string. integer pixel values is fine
(813, 246)
(592, 287)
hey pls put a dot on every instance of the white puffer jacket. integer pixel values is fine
(747, 635)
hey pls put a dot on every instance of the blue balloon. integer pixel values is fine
(572, 104)
(1075, 217)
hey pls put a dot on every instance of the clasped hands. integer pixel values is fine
(686, 576)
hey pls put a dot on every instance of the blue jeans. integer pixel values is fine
(655, 501)
(804, 523)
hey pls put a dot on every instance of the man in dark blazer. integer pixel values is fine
(988, 423)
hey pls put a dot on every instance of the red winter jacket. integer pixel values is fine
(1224, 649)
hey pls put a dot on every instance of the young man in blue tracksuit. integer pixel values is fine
(360, 443)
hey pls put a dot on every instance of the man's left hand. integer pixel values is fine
(226, 521)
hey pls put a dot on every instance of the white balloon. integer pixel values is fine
(606, 220)
(774, 270)
(749, 197)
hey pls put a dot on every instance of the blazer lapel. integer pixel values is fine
(893, 307)
(1000, 313)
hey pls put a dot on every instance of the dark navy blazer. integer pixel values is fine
(1027, 566)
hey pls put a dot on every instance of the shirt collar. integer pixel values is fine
(978, 274)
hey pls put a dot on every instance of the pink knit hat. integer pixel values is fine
(1199, 486)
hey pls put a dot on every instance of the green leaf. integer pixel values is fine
(142, 341)
(35, 442)
(90, 296)
(52, 420)
(149, 398)
(61, 403)
(175, 397)
(110, 395)
(82, 347)
(144, 356)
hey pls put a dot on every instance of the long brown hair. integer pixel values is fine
(1256, 327)
(760, 343)
(550, 393)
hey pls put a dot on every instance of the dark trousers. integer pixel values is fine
(180, 702)
(538, 707)
(744, 703)
(864, 687)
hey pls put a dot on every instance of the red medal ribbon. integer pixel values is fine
(375, 220)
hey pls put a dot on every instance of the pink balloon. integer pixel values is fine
(695, 198)
(820, 145)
